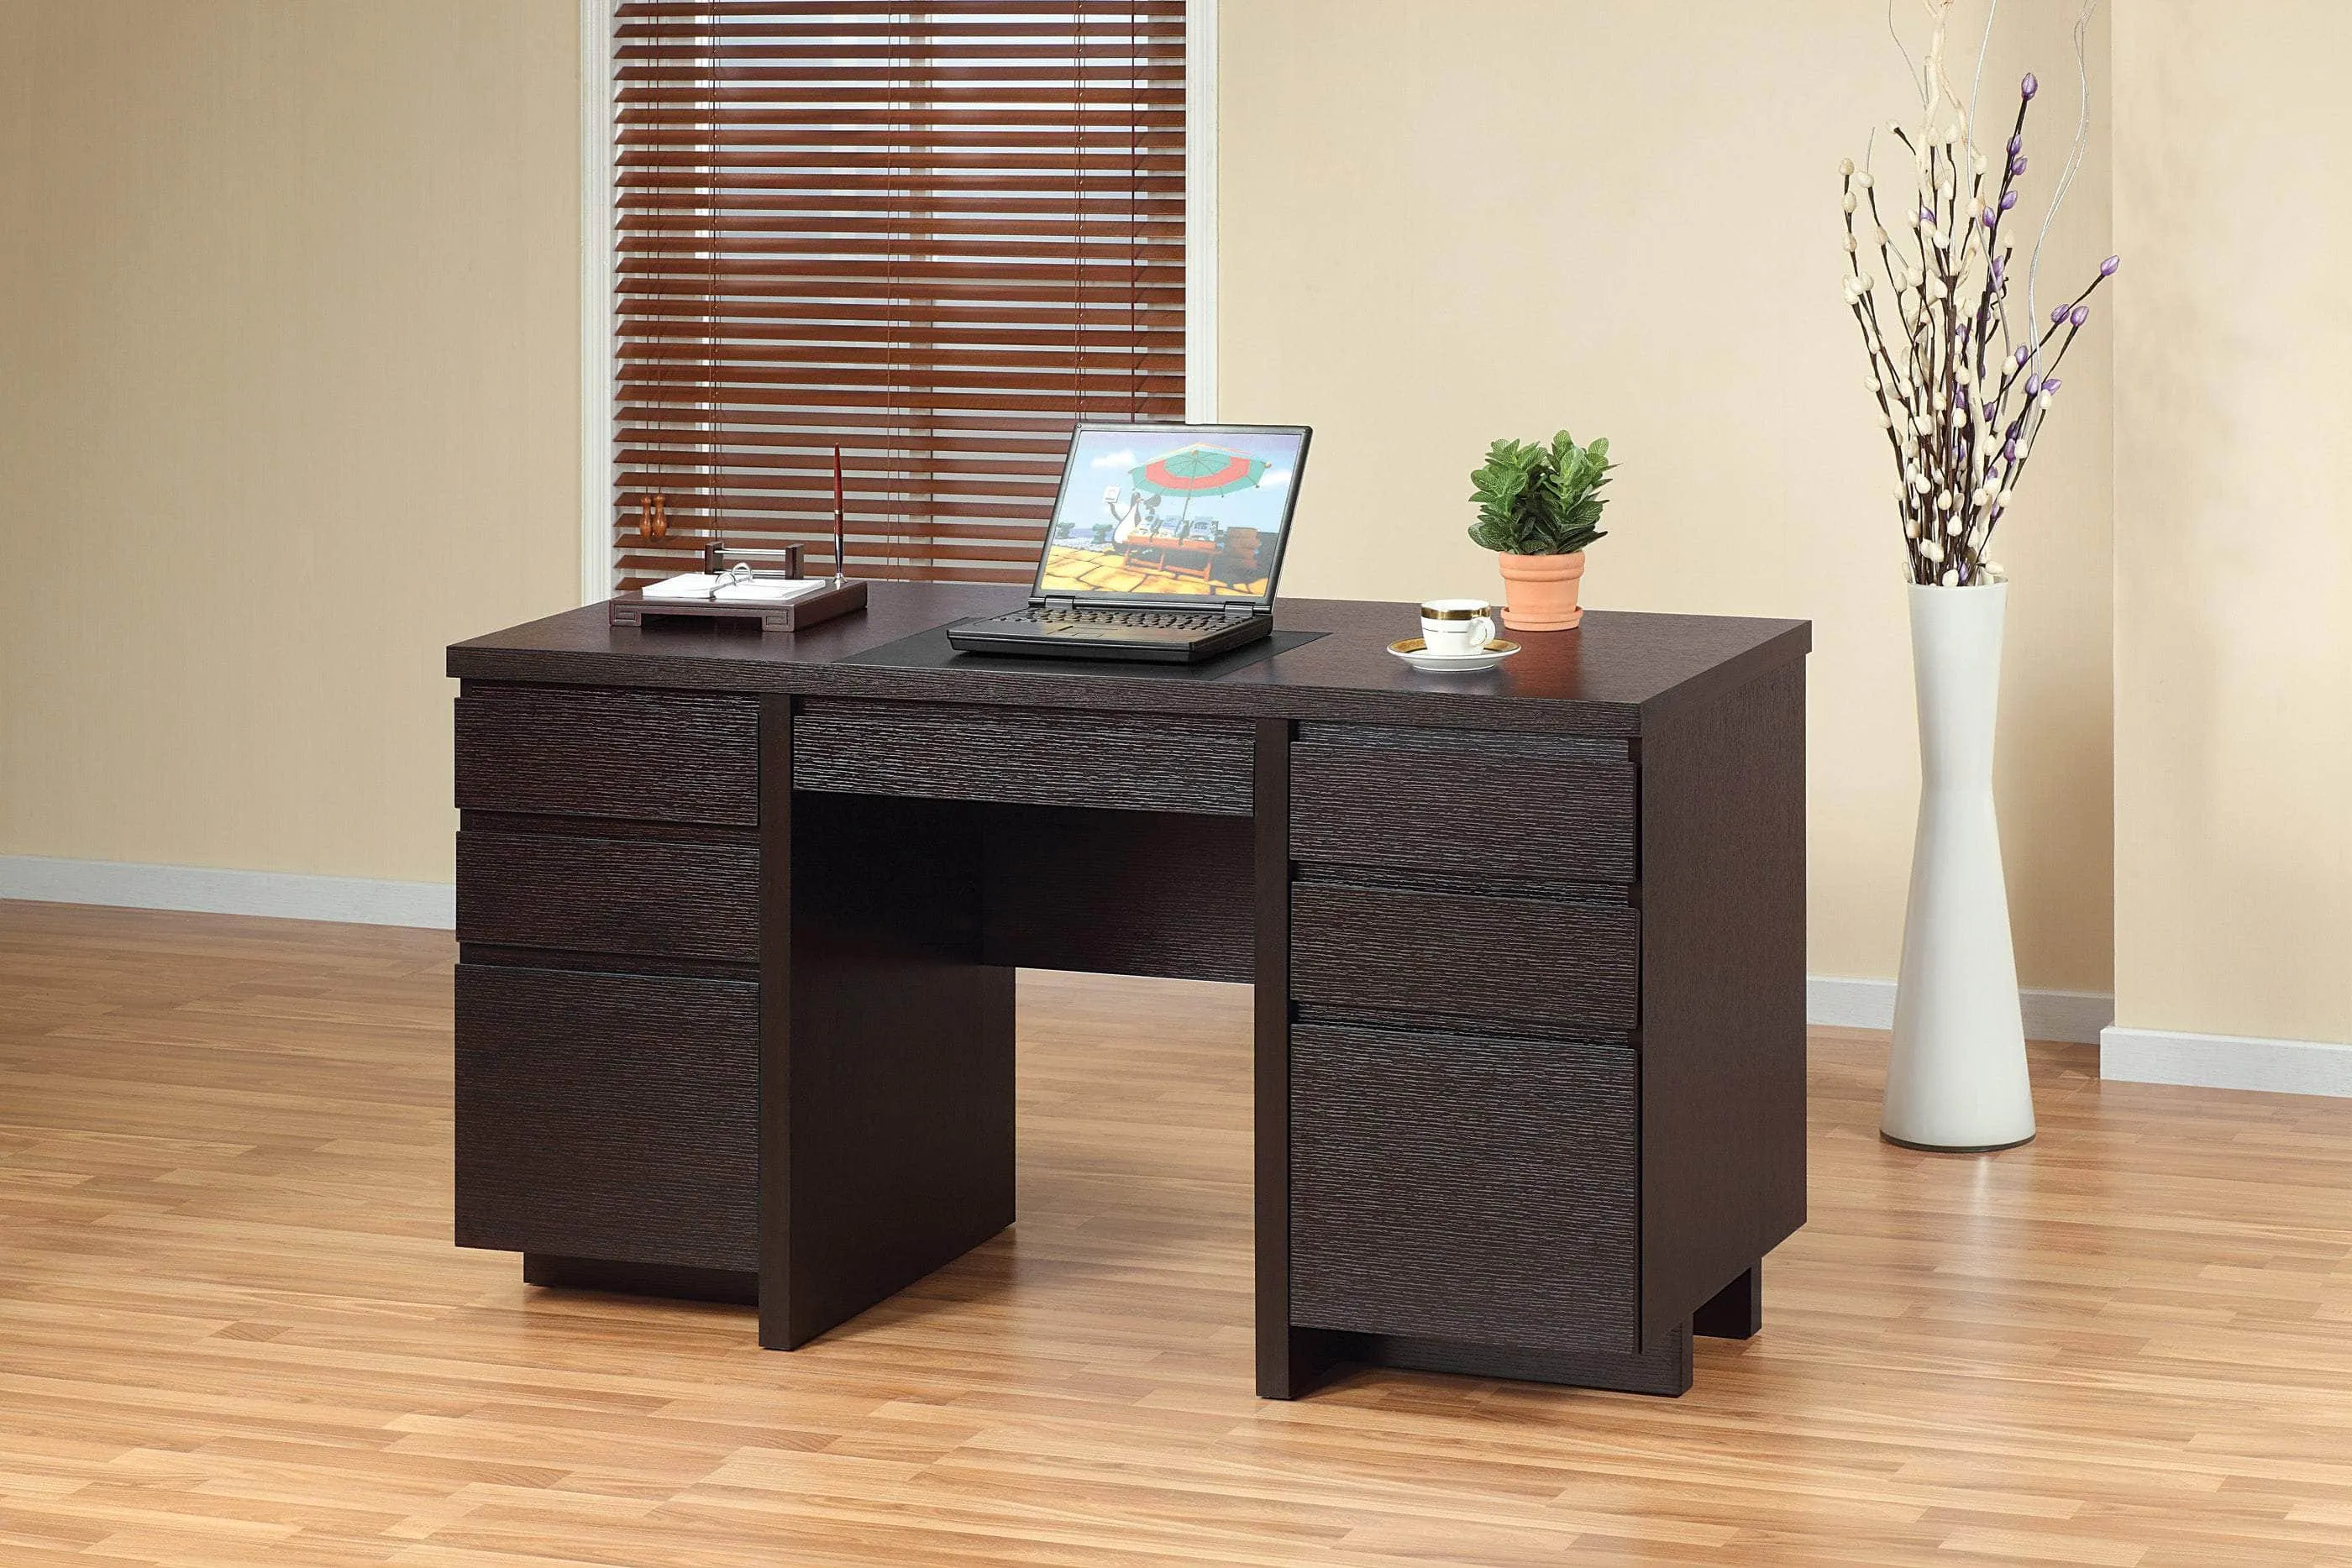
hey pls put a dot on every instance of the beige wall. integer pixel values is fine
(287, 370)
(1444, 222)
(2233, 759)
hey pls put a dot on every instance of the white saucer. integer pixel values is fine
(1414, 652)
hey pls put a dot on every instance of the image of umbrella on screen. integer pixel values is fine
(1201, 518)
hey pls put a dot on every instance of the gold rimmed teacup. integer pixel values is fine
(1457, 628)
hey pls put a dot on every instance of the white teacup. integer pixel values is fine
(1457, 628)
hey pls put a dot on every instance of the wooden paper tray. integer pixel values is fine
(632, 607)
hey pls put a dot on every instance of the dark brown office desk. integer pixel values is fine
(738, 919)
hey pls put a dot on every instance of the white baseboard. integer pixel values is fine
(211, 890)
(2226, 1062)
(2127, 1055)
(2073, 1017)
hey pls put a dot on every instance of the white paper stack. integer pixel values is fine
(697, 586)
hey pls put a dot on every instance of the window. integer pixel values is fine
(934, 236)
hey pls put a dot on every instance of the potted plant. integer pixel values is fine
(1933, 266)
(1539, 506)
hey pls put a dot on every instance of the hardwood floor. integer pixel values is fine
(232, 1330)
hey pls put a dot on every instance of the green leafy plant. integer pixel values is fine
(1535, 499)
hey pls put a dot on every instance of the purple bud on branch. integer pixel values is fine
(2023, 354)
(1997, 268)
(2028, 86)
(2057, 314)
(2033, 385)
(2008, 200)
(2017, 164)
(2081, 313)
(2051, 385)
(2016, 145)
(2107, 267)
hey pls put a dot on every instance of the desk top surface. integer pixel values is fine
(1602, 678)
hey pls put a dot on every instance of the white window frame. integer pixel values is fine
(596, 326)
(1200, 210)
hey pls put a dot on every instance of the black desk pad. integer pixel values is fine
(930, 651)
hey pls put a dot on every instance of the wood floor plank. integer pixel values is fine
(233, 1330)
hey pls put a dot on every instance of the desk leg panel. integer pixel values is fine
(886, 1093)
(1289, 1360)
(1723, 991)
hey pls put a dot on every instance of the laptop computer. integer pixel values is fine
(1165, 543)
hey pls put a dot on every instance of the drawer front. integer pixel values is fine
(1557, 964)
(1424, 804)
(1118, 761)
(611, 1116)
(638, 897)
(1464, 1188)
(661, 757)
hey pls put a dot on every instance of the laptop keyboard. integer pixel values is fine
(1173, 620)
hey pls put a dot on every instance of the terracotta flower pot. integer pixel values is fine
(1539, 590)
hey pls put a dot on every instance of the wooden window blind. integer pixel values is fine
(934, 235)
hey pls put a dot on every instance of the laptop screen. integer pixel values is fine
(1149, 511)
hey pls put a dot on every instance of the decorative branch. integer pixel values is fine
(1961, 420)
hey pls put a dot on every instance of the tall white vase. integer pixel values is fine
(1956, 1078)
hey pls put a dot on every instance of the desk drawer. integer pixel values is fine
(641, 896)
(1024, 757)
(608, 1116)
(1474, 1189)
(1433, 800)
(662, 756)
(1553, 964)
